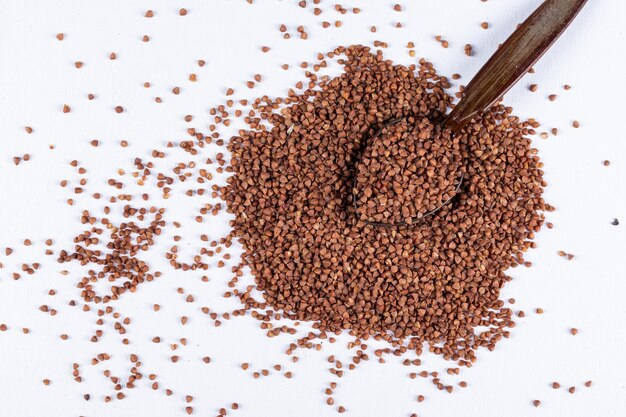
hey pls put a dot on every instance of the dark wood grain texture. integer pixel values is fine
(514, 58)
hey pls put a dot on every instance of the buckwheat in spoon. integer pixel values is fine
(411, 168)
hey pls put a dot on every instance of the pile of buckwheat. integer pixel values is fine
(314, 258)
(367, 228)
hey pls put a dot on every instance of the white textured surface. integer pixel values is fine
(37, 77)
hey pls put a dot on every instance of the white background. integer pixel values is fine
(37, 77)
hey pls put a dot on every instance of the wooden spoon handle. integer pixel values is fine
(514, 58)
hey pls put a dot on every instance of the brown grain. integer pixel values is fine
(315, 259)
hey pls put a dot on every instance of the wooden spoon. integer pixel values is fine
(513, 59)
(502, 71)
